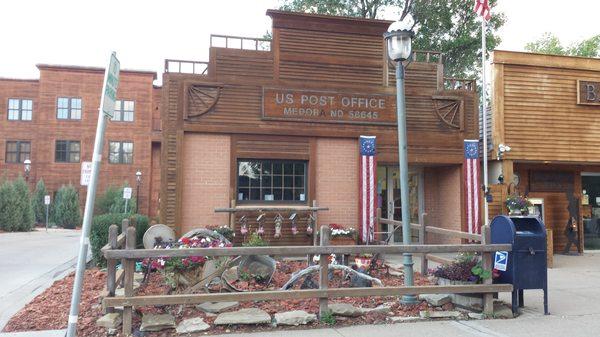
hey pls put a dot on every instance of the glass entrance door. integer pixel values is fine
(388, 188)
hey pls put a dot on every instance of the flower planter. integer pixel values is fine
(342, 241)
(466, 301)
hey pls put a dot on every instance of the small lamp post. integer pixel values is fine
(138, 181)
(27, 167)
(399, 47)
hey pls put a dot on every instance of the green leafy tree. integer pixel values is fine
(23, 205)
(111, 201)
(9, 218)
(37, 201)
(550, 44)
(67, 212)
(449, 26)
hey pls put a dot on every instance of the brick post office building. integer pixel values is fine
(52, 122)
(278, 122)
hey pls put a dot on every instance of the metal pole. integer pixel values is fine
(137, 198)
(87, 215)
(47, 207)
(126, 200)
(484, 125)
(404, 191)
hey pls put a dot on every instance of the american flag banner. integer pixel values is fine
(482, 7)
(368, 181)
(472, 185)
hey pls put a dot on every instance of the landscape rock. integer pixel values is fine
(296, 317)
(192, 325)
(384, 309)
(345, 309)
(216, 307)
(476, 315)
(439, 314)
(110, 321)
(243, 316)
(437, 300)
(502, 310)
(403, 319)
(152, 322)
(397, 273)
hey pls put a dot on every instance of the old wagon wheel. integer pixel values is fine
(449, 111)
(201, 99)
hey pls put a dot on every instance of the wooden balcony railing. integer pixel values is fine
(427, 56)
(186, 67)
(240, 42)
(459, 84)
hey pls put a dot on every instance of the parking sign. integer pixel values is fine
(127, 193)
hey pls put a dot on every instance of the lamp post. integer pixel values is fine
(398, 40)
(27, 167)
(138, 181)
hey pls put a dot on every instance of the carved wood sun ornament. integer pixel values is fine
(449, 110)
(200, 99)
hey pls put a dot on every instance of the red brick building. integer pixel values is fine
(52, 122)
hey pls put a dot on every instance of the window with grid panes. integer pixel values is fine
(271, 180)
(68, 108)
(20, 109)
(17, 151)
(120, 152)
(67, 151)
(124, 111)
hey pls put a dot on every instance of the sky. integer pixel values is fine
(145, 32)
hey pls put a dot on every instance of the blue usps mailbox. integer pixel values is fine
(525, 267)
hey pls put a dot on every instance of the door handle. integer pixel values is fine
(531, 251)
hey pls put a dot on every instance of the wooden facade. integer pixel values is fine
(541, 109)
(339, 61)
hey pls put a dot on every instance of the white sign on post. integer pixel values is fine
(86, 173)
(110, 91)
(127, 193)
(46, 200)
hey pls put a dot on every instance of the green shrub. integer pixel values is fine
(99, 231)
(23, 206)
(255, 241)
(37, 202)
(9, 217)
(67, 212)
(111, 201)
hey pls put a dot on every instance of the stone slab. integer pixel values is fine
(151, 322)
(437, 300)
(439, 314)
(345, 309)
(216, 307)
(192, 325)
(110, 321)
(243, 316)
(296, 317)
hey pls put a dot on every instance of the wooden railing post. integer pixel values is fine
(128, 269)
(111, 264)
(324, 270)
(377, 226)
(423, 241)
(486, 258)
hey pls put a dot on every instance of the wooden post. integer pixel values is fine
(488, 299)
(377, 222)
(128, 269)
(423, 241)
(324, 270)
(232, 216)
(111, 264)
(124, 226)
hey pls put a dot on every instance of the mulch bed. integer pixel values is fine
(50, 309)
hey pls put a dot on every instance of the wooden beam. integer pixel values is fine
(189, 299)
(304, 250)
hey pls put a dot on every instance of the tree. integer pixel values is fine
(550, 44)
(22, 206)
(111, 201)
(9, 218)
(67, 213)
(449, 26)
(37, 201)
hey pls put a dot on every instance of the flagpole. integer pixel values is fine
(484, 122)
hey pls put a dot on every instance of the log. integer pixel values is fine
(299, 274)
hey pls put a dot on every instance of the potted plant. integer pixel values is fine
(341, 235)
(465, 270)
(517, 205)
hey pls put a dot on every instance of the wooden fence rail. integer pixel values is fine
(128, 254)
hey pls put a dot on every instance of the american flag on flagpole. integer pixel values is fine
(471, 174)
(482, 7)
(368, 179)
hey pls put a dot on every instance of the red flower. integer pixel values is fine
(185, 240)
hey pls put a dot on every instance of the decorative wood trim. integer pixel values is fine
(199, 98)
(450, 110)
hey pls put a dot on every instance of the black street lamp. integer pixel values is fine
(27, 168)
(399, 48)
(138, 181)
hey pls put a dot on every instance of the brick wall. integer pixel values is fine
(443, 200)
(337, 180)
(206, 176)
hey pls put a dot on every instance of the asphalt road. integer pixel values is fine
(30, 262)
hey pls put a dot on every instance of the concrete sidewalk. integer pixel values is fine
(30, 262)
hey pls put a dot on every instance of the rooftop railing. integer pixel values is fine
(451, 83)
(240, 42)
(186, 67)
